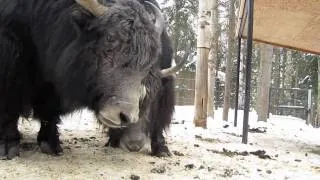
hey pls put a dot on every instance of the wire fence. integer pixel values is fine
(283, 101)
(185, 92)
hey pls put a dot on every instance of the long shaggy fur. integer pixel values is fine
(55, 58)
(160, 109)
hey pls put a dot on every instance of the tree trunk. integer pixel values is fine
(211, 84)
(203, 46)
(284, 66)
(264, 82)
(242, 76)
(289, 69)
(317, 124)
(230, 55)
(277, 78)
(213, 56)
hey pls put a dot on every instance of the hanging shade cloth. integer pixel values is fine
(293, 24)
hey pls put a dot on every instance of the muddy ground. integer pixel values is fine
(196, 155)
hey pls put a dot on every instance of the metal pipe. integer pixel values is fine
(248, 73)
(309, 105)
(269, 108)
(237, 83)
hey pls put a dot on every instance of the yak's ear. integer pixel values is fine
(84, 20)
(84, 23)
(80, 18)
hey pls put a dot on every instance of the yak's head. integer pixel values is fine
(126, 48)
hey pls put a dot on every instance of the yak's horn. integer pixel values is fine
(159, 19)
(170, 71)
(93, 6)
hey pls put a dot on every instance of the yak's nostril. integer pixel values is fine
(134, 148)
(125, 120)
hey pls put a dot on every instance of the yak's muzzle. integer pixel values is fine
(119, 115)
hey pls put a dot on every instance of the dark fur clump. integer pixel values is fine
(55, 58)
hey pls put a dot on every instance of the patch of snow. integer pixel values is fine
(212, 153)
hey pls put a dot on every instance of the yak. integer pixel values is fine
(58, 56)
(160, 110)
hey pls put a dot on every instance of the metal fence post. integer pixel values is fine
(248, 73)
(237, 83)
(309, 105)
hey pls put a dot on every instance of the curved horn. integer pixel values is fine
(170, 71)
(159, 19)
(93, 6)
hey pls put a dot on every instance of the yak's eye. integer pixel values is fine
(109, 38)
(125, 65)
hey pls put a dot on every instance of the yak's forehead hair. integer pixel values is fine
(128, 35)
(125, 4)
(131, 7)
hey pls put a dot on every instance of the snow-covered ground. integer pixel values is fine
(283, 148)
(293, 146)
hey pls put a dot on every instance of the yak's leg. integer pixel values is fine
(9, 137)
(163, 106)
(48, 136)
(158, 145)
(14, 88)
(160, 116)
(114, 137)
(47, 110)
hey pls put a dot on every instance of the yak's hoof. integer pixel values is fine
(47, 149)
(9, 150)
(161, 151)
(113, 143)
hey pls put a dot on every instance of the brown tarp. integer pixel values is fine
(288, 23)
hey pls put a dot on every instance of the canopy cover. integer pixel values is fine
(288, 23)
